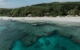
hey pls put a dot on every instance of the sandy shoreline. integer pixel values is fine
(65, 19)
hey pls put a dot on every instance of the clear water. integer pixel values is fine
(56, 43)
(2, 28)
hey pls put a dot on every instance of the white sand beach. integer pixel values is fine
(57, 20)
(65, 19)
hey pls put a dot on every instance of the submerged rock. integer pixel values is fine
(76, 40)
(29, 40)
(38, 45)
(63, 48)
(47, 42)
(65, 35)
(57, 46)
(73, 38)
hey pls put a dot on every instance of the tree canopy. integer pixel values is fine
(44, 9)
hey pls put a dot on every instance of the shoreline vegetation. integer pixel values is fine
(44, 9)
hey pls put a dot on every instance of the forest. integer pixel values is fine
(44, 9)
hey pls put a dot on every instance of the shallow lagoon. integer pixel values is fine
(56, 43)
(52, 42)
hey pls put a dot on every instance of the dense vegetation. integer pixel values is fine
(44, 9)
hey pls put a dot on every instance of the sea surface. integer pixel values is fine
(56, 43)
(16, 31)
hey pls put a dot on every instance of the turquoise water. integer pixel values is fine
(55, 42)
(15, 34)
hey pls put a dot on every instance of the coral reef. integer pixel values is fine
(63, 48)
(76, 40)
(29, 34)
(29, 40)
(57, 46)
(38, 45)
(47, 42)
